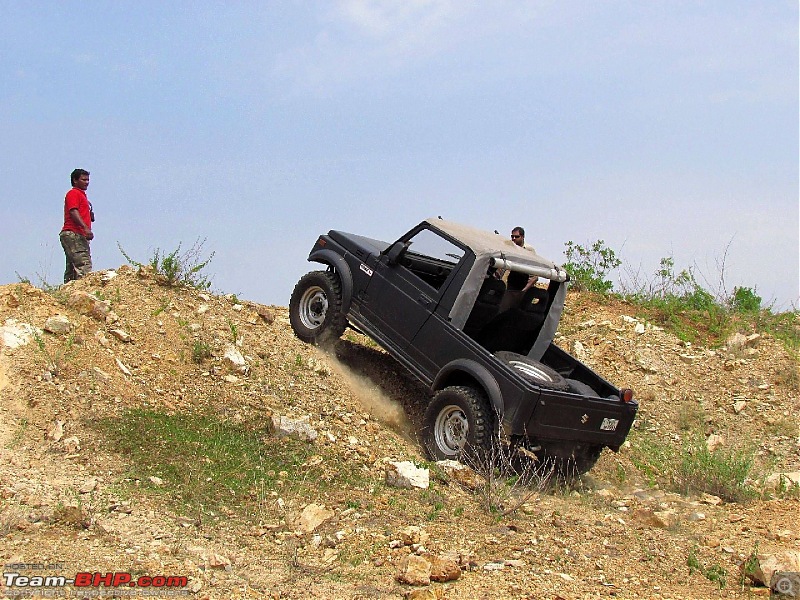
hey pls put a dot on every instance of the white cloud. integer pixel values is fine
(367, 40)
(394, 19)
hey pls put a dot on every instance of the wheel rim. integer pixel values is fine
(530, 370)
(450, 430)
(313, 307)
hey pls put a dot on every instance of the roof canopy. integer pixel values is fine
(493, 249)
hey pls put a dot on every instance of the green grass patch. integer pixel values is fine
(206, 463)
(691, 468)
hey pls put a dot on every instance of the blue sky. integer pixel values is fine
(664, 128)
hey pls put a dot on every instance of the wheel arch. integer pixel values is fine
(340, 266)
(463, 371)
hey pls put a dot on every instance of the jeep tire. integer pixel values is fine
(458, 423)
(315, 308)
(570, 461)
(533, 370)
(578, 387)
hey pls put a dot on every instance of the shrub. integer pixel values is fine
(745, 300)
(589, 266)
(200, 351)
(178, 268)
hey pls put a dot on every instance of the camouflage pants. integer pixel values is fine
(76, 249)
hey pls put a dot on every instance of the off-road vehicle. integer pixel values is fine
(434, 299)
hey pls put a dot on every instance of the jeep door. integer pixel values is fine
(402, 294)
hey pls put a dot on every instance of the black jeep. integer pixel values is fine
(434, 299)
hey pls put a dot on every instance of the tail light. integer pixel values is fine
(626, 395)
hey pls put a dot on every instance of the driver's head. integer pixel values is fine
(518, 236)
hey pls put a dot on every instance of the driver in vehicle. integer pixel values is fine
(516, 283)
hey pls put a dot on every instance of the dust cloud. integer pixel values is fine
(373, 399)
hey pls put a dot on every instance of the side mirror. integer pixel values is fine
(395, 252)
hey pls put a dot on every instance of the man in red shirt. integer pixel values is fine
(77, 230)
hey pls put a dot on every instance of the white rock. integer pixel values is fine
(295, 428)
(56, 432)
(234, 359)
(122, 367)
(122, 336)
(101, 374)
(58, 324)
(413, 534)
(15, 334)
(218, 561)
(406, 474)
(88, 486)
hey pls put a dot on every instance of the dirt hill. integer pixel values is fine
(99, 474)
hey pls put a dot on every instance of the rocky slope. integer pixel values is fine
(329, 525)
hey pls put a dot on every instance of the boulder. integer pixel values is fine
(298, 429)
(312, 516)
(768, 564)
(234, 360)
(15, 334)
(443, 569)
(86, 304)
(58, 325)
(406, 474)
(414, 570)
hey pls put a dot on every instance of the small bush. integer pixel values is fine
(715, 573)
(719, 472)
(178, 268)
(510, 475)
(200, 351)
(745, 300)
(589, 266)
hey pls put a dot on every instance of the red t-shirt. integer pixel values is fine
(76, 199)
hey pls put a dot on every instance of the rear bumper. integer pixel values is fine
(595, 421)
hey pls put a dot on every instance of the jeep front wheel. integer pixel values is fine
(315, 308)
(457, 422)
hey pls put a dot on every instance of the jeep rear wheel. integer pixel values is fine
(533, 370)
(315, 308)
(569, 460)
(457, 422)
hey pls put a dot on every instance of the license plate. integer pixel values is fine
(609, 425)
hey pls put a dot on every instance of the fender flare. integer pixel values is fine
(475, 371)
(339, 264)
